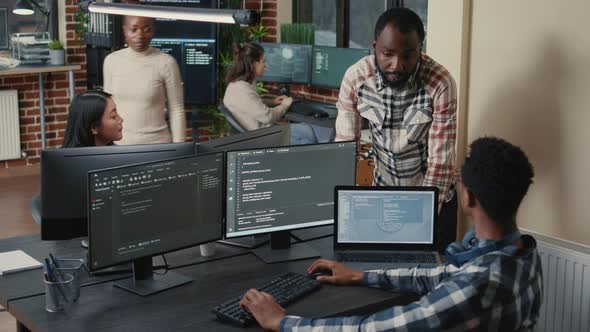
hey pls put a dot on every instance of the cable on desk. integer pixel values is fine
(166, 267)
(317, 237)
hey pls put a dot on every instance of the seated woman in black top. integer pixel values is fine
(93, 121)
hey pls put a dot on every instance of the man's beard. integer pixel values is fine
(397, 83)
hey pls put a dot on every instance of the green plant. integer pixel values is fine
(218, 123)
(81, 18)
(256, 33)
(55, 45)
(298, 33)
(260, 89)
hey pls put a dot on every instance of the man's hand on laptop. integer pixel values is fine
(341, 275)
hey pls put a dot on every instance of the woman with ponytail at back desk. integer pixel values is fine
(242, 100)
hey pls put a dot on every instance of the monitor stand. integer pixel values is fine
(249, 242)
(145, 282)
(281, 250)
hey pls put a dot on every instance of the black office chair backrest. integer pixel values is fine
(233, 122)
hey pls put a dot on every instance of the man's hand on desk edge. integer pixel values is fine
(341, 275)
(264, 308)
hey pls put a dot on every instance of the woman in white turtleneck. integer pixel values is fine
(144, 83)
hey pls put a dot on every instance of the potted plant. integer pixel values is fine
(56, 52)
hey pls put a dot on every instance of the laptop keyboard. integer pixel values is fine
(418, 258)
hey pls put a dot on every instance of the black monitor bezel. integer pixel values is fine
(64, 228)
(276, 147)
(313, 61)
(91, 268)
(283, 130)
(388, 246)
(287, 81)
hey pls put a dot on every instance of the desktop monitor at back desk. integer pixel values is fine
(329, 64)
(276, 190)
(63, 181)
(138, 211)
(287, 63)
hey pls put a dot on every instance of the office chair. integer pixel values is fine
(35, 208)
(233, 122)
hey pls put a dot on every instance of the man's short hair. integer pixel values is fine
(499, 175)
(403, 19)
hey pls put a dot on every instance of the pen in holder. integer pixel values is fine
(59, 292)
(72, 267)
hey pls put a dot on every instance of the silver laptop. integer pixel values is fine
(385, 227)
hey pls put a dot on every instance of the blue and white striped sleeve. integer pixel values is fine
(417, 280)
(453, 304)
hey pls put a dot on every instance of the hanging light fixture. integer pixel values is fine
(27, 7)
(228, 16)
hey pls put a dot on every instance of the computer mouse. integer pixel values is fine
(320, 115)
(320, 272)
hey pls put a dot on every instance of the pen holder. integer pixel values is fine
(59, 295)
(72, 267)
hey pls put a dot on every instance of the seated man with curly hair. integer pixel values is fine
(493, 281)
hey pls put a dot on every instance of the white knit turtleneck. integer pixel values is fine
(143, 85)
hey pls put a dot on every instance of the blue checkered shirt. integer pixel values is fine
(499, 291)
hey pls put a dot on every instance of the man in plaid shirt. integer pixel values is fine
(410, 103)
(495, 284)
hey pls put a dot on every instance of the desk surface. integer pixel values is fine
(230, 272)
(104, 307)
(312, 105)
(35, 69)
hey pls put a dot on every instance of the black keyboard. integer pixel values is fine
(388, 257)
(285, 288)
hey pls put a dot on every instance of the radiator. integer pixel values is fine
(9, 125)
(566, 285)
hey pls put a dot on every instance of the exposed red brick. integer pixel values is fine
(33, 129)
(14, 80)
(56, 93)
(269, 22)
(62, 101)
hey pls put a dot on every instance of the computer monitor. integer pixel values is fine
(276, 190)
(138, 211)
(279, 135)
(197, 60)
(287, 63)
(330, 63)
(63, 181)
(194, 46)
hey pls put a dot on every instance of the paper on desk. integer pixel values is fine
(17, 260)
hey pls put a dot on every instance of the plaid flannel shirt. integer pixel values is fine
(413, 127)
(499, 291)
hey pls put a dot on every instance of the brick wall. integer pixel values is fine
(57, 98)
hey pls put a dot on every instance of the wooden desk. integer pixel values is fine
(40, 70)
(104, 307)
